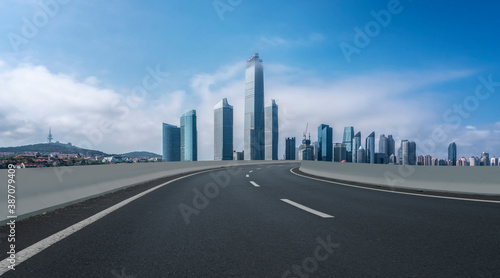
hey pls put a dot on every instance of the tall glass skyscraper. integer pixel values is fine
(254, 136)
(171, 143)
(391, 146)
(452, 154)
(290, 148)
(189, 137)
(383, 145)
(325, 143)
(370, 148)
(339, 152)
(347, 140)
(356, 143)
(408, 153)
(223, 131)
(271, 127)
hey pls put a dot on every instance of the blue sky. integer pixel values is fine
(79, 69)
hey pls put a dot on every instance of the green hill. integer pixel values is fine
(51, 148)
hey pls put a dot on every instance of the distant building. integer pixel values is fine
(381, 158)
(347, 140)
(171, 143)
(290, 148)
(361, 155)
(370, 148)
(189, 137)
(392, 159)
(306, 151)
(420, 160)
(434, 161)
(452, 154)
(113, 159)
(325, 143)
(474, 161)
(462, 162)
(356, 143)
(494, 161)
(271, 129)
(254, 135)
(427, 160)
(339, 152)
(408, 153)
(391, 146)
(238, 155)
(485, 159)
(223, 131)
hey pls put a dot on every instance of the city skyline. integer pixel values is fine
(419, 85)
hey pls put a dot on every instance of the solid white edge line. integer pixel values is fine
(254, 184)
(308, 209)
(397, 192)
(36, 248)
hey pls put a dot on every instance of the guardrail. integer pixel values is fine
(482, 180)
(39, 190)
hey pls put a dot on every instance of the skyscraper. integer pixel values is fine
(189, 137)
(271, 127)
(223, 131)
(391, 146)
(339, 152)
(347, 140)
(408, 153)
(485, 159)
(361, 155)
(412, 156)
(356, 143)
(290, 148)
(325, 143)
(383, 144)
(254, 136)
(452, 154)
(306, 151)
(370, 148)
(171, 143)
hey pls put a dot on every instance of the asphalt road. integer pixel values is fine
(264, 221)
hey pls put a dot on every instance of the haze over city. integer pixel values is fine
(111, 86)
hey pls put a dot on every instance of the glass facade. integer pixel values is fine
(340, 152)
(347, 140)
(171, 143)
(223, 131)
(452, 154)
(325, 143)
(254, 135)
(189, 136)
(271, 127)
(370, 148)
(356, 143)
(290, 148)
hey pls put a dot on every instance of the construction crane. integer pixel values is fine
(305, 141)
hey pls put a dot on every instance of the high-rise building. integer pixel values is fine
(381, 158)
(271, 127)
(420, 160)
(361, 155)
(452, 154)
(347, 140)
(494, 161)
(223, 131)
(412, 156)
(392, 159)
(462, 162)
(356, 143)
(306, 151)
(189, 137)
(427, 160)
(383, 145)
(391, 146)
(254, 136)
(238, 155)
(171, 143)
(474, 161)
(325, 143)
(290, 148)
(485, 159)
(370, 148)
(339, 152)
